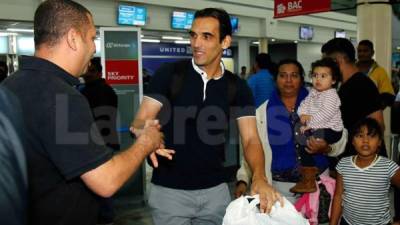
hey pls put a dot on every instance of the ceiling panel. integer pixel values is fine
(344, 6)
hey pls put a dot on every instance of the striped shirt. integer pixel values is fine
(324, 109)
(366, 191)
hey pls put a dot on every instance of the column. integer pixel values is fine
(263, 46)
(243, 54)
(374, 22)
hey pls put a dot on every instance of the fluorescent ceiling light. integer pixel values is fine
(2, 33)
(20, 30)
(142, 36)
(172, 38)
(398, 48)
(273, 39)
(182, 42)
(256, 42)
(295, 42)
(151, 40)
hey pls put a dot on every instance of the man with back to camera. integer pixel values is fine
(358, 95)
(367, 65)
(262, 83)
(103, 102)
(68, 163)
(192, 189)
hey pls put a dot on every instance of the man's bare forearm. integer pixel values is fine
(255, 157)
(106, 179)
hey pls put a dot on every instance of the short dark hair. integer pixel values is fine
(263, 60)
(367, 43)
(332, 65)
(53, 19)
(372, 125)
(95, 65)
(340, 45)
(225, 26)
(290, 61)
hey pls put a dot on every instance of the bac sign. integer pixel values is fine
(285, 8)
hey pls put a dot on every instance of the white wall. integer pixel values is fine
(255, 16)
(255, 19)
(3, 45)
(18, 9)
(307, 53)
(290, 31)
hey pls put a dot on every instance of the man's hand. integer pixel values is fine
(167, 153)
(317, 145)
(268, 195)
(240, 189)
(138, 131)
(151, 135)
(304, 119)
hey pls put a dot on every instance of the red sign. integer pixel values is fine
(122, 72)
(285, 8)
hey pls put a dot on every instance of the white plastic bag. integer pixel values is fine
(243, 212)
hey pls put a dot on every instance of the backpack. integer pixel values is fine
(315, 206)
(179, 71)
(324, 204)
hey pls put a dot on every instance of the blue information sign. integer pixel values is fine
(182, 20)
(132, 15)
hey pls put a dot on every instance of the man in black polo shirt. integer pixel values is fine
(358, 94)
(191, 189)
(103, 102)
(68, 163)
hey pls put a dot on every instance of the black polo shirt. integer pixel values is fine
(104, 105)
(195, 123)
(63, 143)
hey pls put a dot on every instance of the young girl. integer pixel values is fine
(320, 117)
(363, 180)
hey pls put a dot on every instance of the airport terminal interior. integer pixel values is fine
(160, 28)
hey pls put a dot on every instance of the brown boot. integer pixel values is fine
(307, 183)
